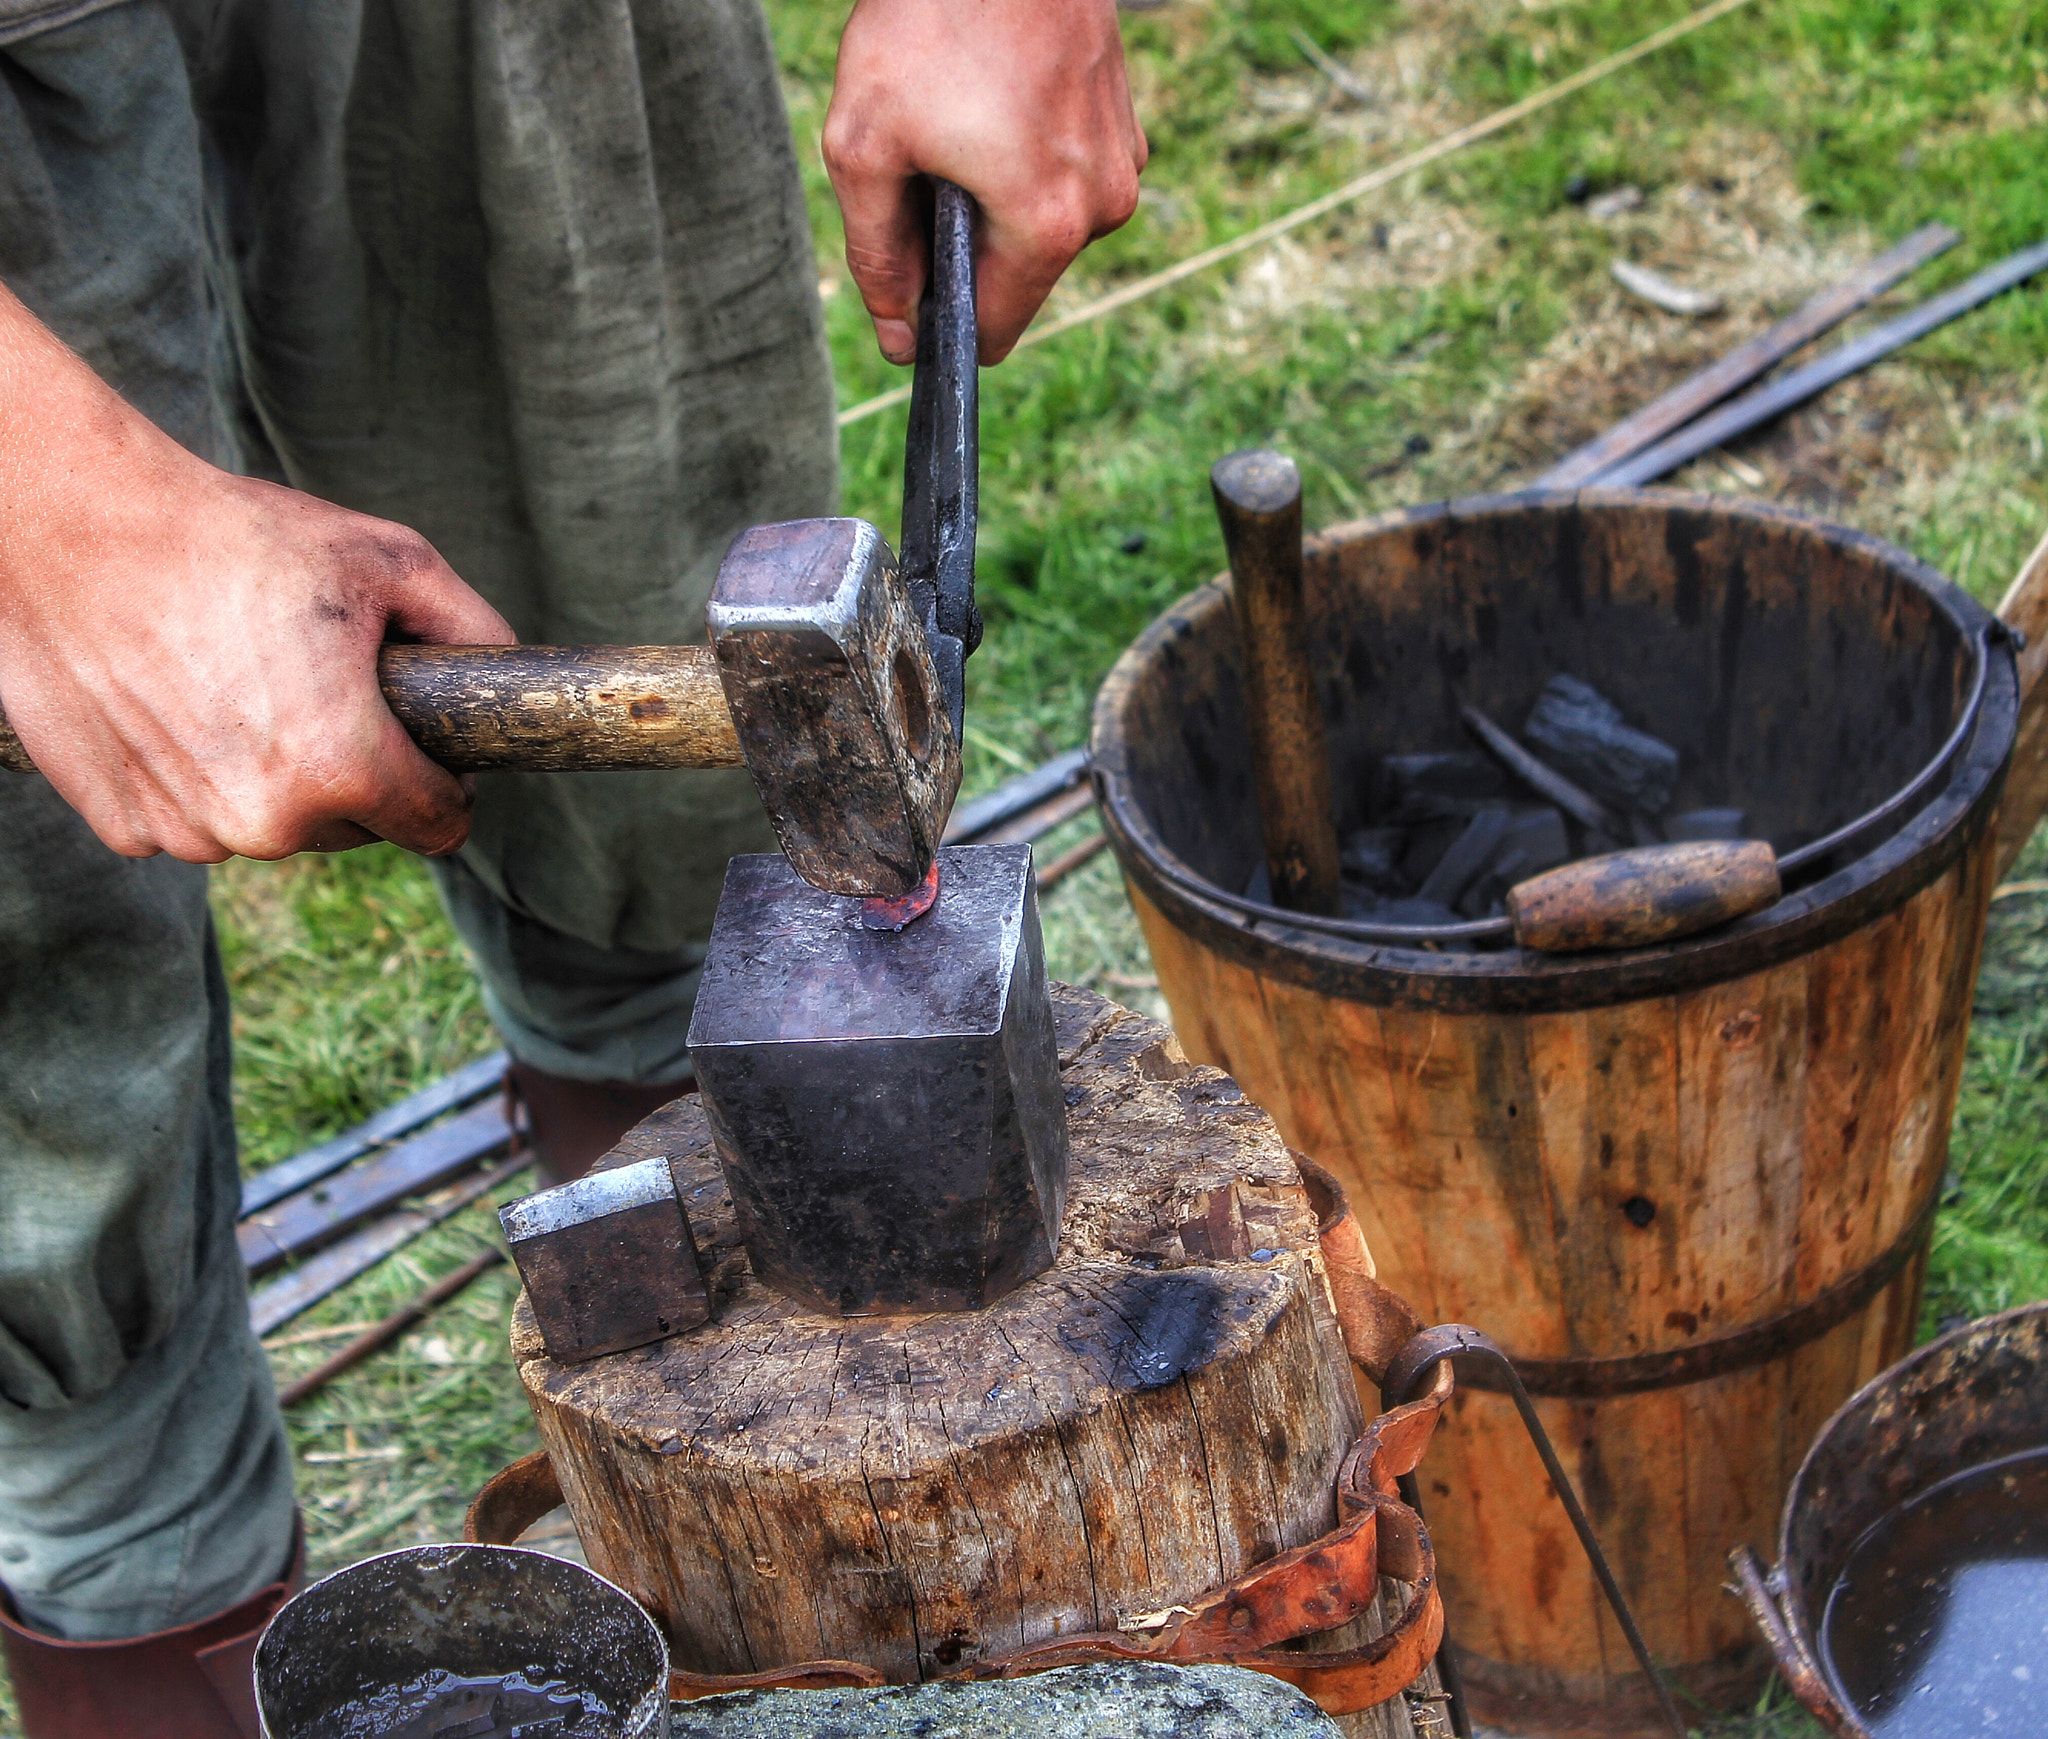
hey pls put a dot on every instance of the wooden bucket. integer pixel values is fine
(1688, 1187)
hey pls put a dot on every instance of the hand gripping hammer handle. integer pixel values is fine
(599, 708)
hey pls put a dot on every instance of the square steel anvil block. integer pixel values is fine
(886, 1104)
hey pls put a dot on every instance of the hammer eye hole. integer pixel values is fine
(913, 705)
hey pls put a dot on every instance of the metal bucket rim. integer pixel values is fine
(1791, 1604)
(659, 1688)
(1876, 881)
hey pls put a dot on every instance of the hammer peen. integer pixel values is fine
(833, 676)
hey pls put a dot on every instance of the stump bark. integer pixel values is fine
(1164, 1408)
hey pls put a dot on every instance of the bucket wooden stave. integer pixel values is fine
(1687, 1187)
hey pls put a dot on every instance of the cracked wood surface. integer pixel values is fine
(1164, 1408)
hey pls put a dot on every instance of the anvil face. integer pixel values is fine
(886, 1104)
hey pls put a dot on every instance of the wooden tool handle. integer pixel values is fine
(1258, 499)
(547, 709)
(1655, 893)
(556, 709)
(2025, 607)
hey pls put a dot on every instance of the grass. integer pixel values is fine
(1447, 336)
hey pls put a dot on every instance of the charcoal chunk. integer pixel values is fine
(1535, 840)
(1456, 785)
(1427, 843)
(1582, 733)
(1708, 824)
(1371, 856)
(1467, 859)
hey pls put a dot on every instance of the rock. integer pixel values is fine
(1468, 857)
(1438, 787)
(1117, 1700)
(1534, 841)
(1581, 732)
(1614, 202)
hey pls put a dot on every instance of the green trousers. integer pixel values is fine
(532, 276)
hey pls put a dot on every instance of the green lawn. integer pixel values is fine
(1446, 336)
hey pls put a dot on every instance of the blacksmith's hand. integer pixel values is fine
(1023, 103)
(190, 656)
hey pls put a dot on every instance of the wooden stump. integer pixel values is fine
(1164, 1408)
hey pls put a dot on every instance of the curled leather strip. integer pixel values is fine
(512, 1500)
(1308, 1591)
(1377, 1322)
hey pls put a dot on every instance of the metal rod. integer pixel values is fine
(974, 818)
(373, 1340)
(472, 1081)
(1748, 362)
(1458, 1340)
(1446, 1662)
(1069, 861)
(1547, 782)
(1766, 402)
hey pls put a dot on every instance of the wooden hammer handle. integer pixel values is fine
(547, 709)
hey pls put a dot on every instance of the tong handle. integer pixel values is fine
(942, 450)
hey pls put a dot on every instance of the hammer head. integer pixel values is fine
(838, 706)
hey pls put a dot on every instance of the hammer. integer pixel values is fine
(833, 675)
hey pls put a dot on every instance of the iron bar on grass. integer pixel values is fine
(414, 1310)
(272, 1306)
(472, 1081)
(1755, 408)
(1748, 362)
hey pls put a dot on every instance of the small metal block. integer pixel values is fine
(608, 1261)
(886, 1105)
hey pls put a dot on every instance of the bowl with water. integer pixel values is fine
(1910, 1600)
(462, 1642)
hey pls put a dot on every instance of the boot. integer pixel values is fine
(195, 1682)
(571, 1125)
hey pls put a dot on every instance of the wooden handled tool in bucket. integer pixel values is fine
(1629, 898)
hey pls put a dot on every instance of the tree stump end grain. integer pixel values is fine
(1164, 1408)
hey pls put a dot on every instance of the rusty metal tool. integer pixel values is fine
(886, 1107)
(1748, 362)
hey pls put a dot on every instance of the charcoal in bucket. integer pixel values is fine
(1448, 834)
(462, 1642)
